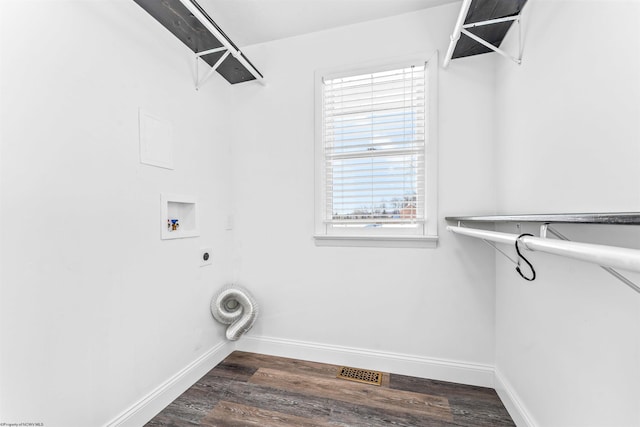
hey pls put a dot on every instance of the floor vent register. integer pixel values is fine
(360, 375)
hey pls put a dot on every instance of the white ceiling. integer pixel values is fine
(249, 22)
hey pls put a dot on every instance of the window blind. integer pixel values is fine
(374, 148)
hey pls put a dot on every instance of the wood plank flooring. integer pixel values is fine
(248, 389)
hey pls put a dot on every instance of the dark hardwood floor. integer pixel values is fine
(248, 389)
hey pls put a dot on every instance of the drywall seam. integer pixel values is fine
(146, 408)
(512, 401)
(404, 364)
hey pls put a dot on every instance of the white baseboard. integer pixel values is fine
(151, 404)
(438, 369)
(512, 401)
(404, 364)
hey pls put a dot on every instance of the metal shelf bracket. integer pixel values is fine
(200, 82)
(191, 24)
(546, 228)
(494, 246)
(517, 60)
(462, 28)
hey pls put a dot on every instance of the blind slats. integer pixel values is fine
(372, 162)
(389, 94)
(392, 139)
(348, 129)
(374, 144)
(392, 152)
(335, 85)
(380, 121)
(406, 132)
(362, 180)
(397, 107)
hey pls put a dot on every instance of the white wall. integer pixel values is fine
(568, 140)
(96, 311)
(426, 303)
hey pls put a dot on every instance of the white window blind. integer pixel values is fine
(373, 132)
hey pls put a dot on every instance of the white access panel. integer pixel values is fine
(156, 141)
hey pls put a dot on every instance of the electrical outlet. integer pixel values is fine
(206, 256)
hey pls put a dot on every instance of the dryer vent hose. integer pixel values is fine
(234, 306)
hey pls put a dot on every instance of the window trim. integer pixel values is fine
(381, 237)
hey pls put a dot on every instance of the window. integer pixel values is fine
(375, 156)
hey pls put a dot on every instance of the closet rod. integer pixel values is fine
(610, 256)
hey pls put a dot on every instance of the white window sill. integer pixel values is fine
(377, 241)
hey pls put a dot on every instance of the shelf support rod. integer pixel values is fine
(494, 246)
(490, 46)
(491, 21)
(213, 69)
(544, 228)
(209, 51)
(466, 4)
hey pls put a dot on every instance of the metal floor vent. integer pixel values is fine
(360, 375)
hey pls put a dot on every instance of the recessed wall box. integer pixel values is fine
(178, 217)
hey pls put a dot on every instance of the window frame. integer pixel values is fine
(425, 235)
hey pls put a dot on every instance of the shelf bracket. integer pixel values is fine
(546, 228)
(462, 28)
(486, 44)
(191, 25)
(494, 246)
(213, 69)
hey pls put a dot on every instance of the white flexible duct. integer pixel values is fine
(234, 306)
